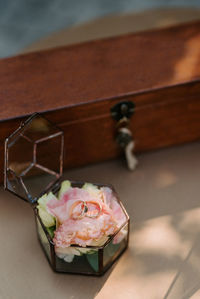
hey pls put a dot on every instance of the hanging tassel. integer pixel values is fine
(125, 140)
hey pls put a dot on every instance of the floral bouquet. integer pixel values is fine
(81, 220)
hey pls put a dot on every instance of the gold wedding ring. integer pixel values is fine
(75, 215)
(91, 214)
(84, 210)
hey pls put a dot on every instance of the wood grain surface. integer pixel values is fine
(75, 87)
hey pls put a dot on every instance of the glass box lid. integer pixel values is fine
(36, 147)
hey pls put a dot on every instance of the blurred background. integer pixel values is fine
(27, 25)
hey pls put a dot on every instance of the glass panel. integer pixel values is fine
(43, 239)
(19, 162)
(35, 148)
(78, 260)
(53, 147)
(35, 185)
(39, 128)
(14, 184)
(113, 249)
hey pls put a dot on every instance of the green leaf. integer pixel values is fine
(51, 230)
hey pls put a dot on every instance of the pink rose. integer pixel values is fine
(115, 207)
(84, 231)
(85, 216)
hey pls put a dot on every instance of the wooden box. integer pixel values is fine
(76, 86)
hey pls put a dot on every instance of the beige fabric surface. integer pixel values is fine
(114, 25)
(161, 197)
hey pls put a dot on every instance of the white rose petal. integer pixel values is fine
(68, 258)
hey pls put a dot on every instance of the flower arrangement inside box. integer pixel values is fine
(82, 227)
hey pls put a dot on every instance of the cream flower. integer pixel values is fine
(64, 187)
(46, 217)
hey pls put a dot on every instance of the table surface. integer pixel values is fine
(163, 259)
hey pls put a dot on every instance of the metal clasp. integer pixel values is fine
(122, 113)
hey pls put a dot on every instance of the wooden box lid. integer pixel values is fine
(99, 70)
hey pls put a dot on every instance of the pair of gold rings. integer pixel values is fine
(84, 209)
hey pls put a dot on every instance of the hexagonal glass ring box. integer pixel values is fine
(82, 227)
